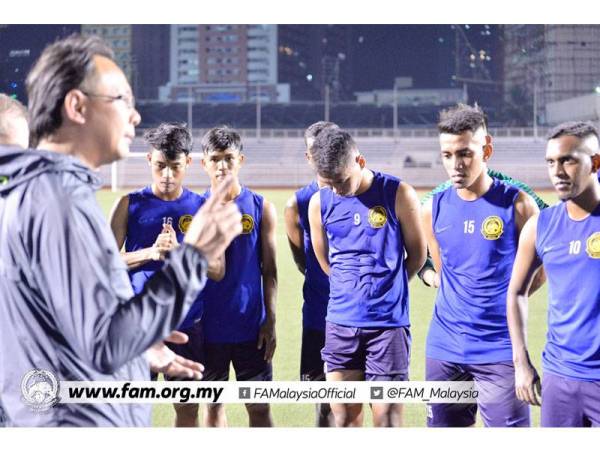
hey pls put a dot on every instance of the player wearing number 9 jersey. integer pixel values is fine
(565, 238)
(362, 226)
(473, 230)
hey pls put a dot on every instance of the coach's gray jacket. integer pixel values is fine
(66, 303)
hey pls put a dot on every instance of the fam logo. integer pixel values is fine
(39, 389)
(184, 222)
(247, 224)
(492, 228)
(377, 216)
(592, 246)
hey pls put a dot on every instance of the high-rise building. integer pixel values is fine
(20, 47)
(235, 63)
(548, 63)
(224, 63)
(142, 51)
(119, 37)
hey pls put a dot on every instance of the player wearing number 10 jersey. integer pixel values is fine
(565, 238)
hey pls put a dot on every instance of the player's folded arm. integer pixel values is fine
(84, 283)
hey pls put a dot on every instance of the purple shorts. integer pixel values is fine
(248, 362)
(311, 364)
(193, 349)
(570, 403)
(381, 353)
(497, 401)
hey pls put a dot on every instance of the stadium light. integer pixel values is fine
(597, 90)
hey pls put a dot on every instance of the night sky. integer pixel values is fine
(380, 52)
(424, 52)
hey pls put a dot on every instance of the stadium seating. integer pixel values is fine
(280, 161)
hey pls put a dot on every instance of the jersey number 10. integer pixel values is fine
(574, 247)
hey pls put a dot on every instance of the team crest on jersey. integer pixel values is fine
(377, 216)
(592, 246)
(184, 222)
(492, 228)
(247, 224)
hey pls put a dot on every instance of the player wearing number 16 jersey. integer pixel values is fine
(150, 222)
(473, 230)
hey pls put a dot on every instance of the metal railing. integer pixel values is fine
(282, 133)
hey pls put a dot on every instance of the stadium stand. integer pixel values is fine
(279, 161)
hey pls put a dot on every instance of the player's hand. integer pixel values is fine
(266, 338)
(527, 384)
(168, 228)
(163, 360)
(432, 278)
(216, 223)
(165, 242)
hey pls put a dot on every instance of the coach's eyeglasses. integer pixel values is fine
(129, 100)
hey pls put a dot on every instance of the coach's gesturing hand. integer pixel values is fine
(163, 360)
(216, 224)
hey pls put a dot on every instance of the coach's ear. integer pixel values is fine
(149, 158)
(488, 148)
(596, 162)
(75, 106)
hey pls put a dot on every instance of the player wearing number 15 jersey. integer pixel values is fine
(473, 230)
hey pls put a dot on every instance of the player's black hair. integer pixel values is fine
(313, 130)
(461, 118)
(172, 139)
(332, 150)
(62, 66)
(580, 130)
(220, 139)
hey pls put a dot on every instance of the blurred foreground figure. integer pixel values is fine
(67, 306)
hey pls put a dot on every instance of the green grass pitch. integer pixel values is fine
(287, 356)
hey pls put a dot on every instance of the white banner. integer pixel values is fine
(269, 392)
